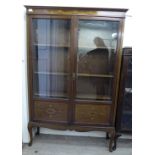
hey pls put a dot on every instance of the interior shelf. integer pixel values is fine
(128, 112)
(51, 73)
(78, 74)
(94, 47)
(52, 45)
(60, 94)
(94, 75)
(92, 96)
(67, 46)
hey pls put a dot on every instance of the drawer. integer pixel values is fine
(92, 114)
(48, 111)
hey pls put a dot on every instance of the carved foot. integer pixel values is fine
(30, 133)
(112, 143)
(115, 141)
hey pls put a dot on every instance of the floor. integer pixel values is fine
(73, 145)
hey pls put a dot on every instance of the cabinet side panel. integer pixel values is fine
(117, 71)
(29, 65)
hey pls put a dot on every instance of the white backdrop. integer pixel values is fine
(139, 32)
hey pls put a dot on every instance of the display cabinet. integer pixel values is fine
(74, 58)
(124, 110)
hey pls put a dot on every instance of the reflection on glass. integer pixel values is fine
(126, 122)
(51, 39)
(128, 83)
(94, 88)
(97, 43)
(50, 85)
(127, 98)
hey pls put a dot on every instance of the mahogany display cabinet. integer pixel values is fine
(74, 58)
(124, 108)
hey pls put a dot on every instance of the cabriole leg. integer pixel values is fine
(112, 143)
(30, 133)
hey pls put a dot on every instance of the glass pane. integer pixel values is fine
(126, 123)
(97, 43)
(128, 82)
(94, 88)
(127, 98)
(51, 42)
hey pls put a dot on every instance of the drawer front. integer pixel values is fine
(48, 111)
(92, 114)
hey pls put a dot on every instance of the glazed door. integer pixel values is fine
(96, 59)
(74, 59)
(95, 72)
(51, 56)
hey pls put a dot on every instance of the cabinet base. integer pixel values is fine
(109, 130)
